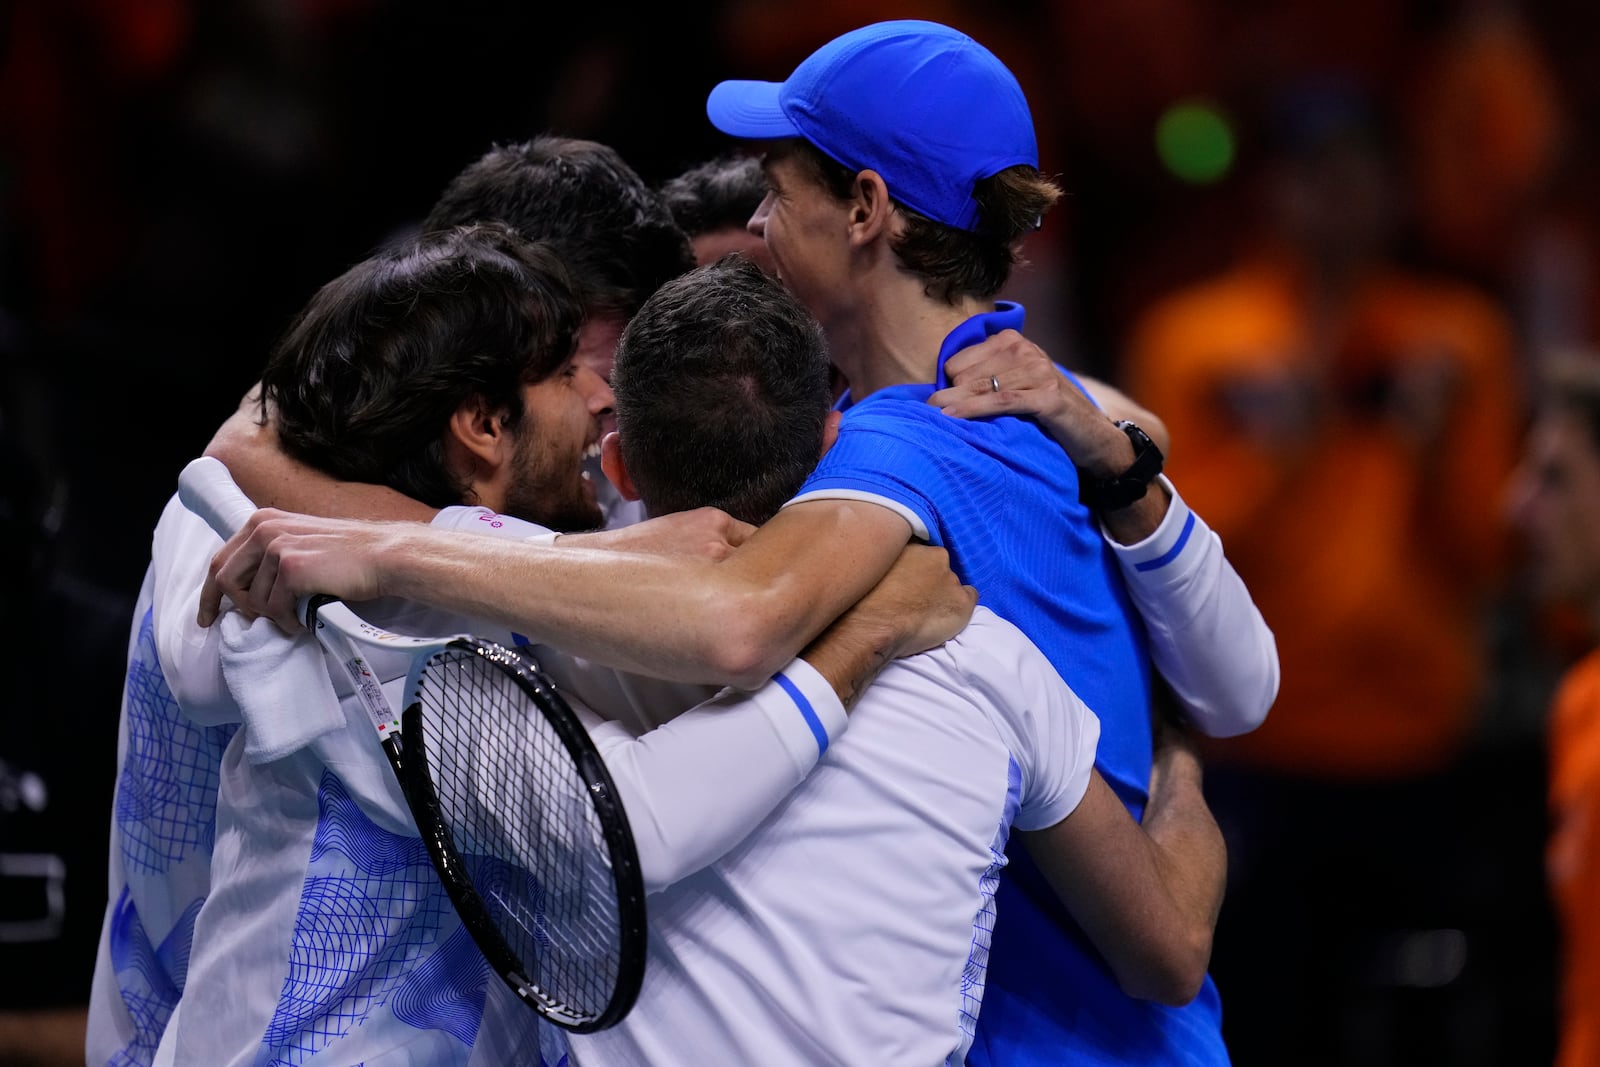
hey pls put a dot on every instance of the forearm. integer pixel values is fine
(920, 603)
(697, 786)
(1207, 636)
(269, 476)
(669, 618)
(1101, 451)
(1137, 521)
(1188, 847)
(685, 619)
(1119, 405)
(1147, 897)
(682, 619)
(848, 661)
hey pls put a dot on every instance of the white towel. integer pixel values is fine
(281, 685)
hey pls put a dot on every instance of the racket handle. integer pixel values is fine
(207, 489)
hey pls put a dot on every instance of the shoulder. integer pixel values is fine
(180, 532)
(1051, 734)
(990, 640)
(904, 429)
(892, 413)
(1014, 678)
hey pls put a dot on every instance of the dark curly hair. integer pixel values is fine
(613, 232)
(366, 378)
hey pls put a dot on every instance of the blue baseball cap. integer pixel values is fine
(927, 107)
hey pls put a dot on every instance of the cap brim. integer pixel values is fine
(749, 110)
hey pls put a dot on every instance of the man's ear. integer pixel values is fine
(870, 208)
(616, 469)
(830, 431)
(478, 439)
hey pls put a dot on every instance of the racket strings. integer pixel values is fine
(519, 814)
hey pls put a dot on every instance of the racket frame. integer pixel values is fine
(622, 855)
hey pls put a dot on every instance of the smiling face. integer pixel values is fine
(1555, 504)
(597, 351)
(560, 427)
(806, 229)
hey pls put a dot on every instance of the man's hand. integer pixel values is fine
(1030, 384)
(705, 533)
(277, 558)
(918, 605)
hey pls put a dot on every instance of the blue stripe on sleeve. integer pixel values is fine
(1172, 553)
(807, 712)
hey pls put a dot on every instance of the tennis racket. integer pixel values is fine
(520, 818)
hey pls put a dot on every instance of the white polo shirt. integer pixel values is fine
(852, 926)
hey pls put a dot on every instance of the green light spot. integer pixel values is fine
(1195, 142)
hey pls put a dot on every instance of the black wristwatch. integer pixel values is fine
(1111, 494)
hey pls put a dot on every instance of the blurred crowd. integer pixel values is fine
(1344, 322)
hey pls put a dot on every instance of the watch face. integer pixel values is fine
(1128, 487)
(1136, 434)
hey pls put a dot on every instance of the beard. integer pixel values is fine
(548, 488)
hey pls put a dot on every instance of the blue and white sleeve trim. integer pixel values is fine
(1207, 636)
(1163, 547)
(805, 711)
(483, 521)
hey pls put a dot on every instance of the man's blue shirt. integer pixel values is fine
(1001, 497)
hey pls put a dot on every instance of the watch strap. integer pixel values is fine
(1111, 494)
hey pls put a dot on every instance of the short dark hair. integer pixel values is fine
(722, 389)
(365, 380)
(612, 231)
(718, 194)
(1570, 383)
(955, 262)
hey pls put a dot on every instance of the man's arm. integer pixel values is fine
(248, 445)
(1148, 896)
(733, 622)
(918, 605)
(1031, 384)
(698, 785)
(1208, 639)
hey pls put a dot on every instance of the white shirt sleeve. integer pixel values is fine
(1051, 733)
(696, 786)
(1207, 636)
